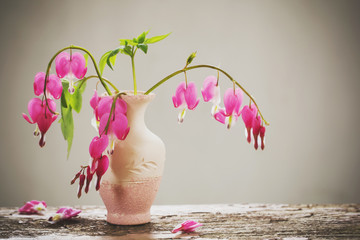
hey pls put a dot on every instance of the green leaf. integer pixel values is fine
(110, 61)
(76, 98)
(143, 47)
(86, 56)
(141, 37)
(67, 122)
(103, 60)
(65, 95)
(126, 50)
(156, 39)
(126, 42)
(67, 126)
(190, 58)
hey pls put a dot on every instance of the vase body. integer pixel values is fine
(132, 180)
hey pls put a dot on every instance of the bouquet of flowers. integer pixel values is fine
(110, 110)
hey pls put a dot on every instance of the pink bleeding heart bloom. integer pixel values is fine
(118, 126)
(98, 146)
(33, 207)
(65, 214)
(81, 184)
(187, 226)
(185, 96)
(256, 125)
(41, 115)
(99, 164)
(53, 85)
(105, 104)
(102, 105)
(248, 115)
(262, 137)
(211, 92)
(232, 102)
(70, 67)
(89, 177)
(103, 165)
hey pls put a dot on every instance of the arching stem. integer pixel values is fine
(212, 67)
(95, 65)
(82, 81)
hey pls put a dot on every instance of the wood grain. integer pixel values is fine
(234, 221)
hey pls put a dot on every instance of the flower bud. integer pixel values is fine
(81, 184)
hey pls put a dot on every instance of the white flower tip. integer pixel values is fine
(40, 207)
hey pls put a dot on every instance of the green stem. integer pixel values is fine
(95, 65)
(82, 81)
(212, 67)
(134, 75)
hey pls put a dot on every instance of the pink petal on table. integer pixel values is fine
(187, 226)
(33, 207)
(64, 214)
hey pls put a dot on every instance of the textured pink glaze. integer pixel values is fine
(129, 203)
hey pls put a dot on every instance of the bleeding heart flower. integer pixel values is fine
(41, 115)
(64, 214)
(33, 207)
(248, 115)
(187, 226)
(98, 146)
(53, 85)
(262, 137)
(105, 104)
(81, 184)
(185, 96)
(70, 67)
(89, 177)
(103, 165)
(232, 102)
(256, 125)
(102, 105)
(211, 92)
(117, 128)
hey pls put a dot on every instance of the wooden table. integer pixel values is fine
(232, 221)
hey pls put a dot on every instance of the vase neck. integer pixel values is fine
(136, 107)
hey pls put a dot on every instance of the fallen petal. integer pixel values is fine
(187, 226)
(33, 207)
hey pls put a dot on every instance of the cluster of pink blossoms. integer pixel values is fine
(110, 128)
(186, 97)
(42, 113)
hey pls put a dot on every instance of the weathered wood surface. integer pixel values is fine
(234, 221)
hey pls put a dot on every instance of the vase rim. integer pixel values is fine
(137, 98)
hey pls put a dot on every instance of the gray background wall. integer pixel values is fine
(300, 59)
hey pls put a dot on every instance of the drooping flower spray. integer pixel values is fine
(110, 110)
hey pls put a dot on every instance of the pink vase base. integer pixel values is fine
(129, 203)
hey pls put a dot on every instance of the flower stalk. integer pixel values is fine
(92, 59)
(212, 67)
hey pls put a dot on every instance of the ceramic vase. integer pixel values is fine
(129, 186)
